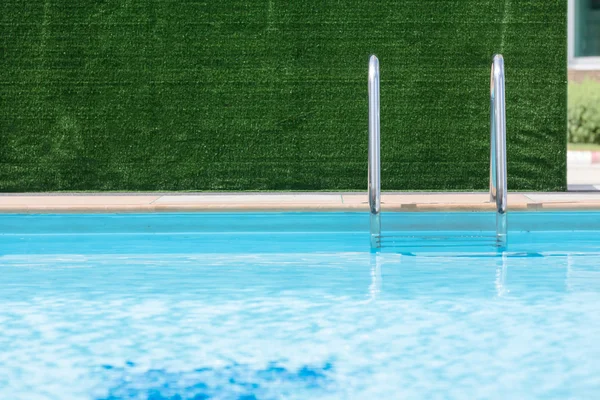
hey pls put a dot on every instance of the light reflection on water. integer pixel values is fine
(300, 325)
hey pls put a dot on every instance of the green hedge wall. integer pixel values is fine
(272, 94)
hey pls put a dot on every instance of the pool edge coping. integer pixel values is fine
(33, 203)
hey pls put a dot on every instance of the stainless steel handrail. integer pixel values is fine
(374, 158)
(498, 181)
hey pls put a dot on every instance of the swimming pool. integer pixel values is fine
(295, 305)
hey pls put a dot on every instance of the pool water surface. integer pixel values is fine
(271, 306)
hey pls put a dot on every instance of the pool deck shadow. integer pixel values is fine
(264, 202)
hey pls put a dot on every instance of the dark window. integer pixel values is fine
(587, 28)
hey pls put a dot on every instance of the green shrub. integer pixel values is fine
(584, 112)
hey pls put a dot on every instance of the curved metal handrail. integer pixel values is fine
(498, 180)
(374, 154)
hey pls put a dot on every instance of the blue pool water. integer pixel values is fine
(271, 306)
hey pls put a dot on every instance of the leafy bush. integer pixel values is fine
(584, 112)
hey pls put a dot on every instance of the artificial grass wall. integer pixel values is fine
(272, 94)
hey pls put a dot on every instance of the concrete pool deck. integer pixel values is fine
(323, 201)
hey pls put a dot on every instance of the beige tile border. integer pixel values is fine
(220, 202)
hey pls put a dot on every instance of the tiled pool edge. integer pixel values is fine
(278, 202)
